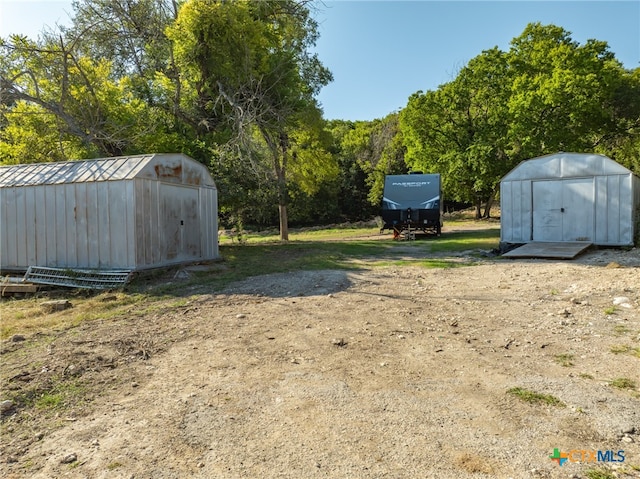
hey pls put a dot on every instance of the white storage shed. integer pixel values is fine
(127, 213)
(570, 197)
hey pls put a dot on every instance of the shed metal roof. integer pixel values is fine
(566, 165)
(176, 168)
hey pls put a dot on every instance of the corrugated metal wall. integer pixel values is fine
(614, 210)
(174, 223)
(516, 211)
(209, 220)
(148, 229)
(636, 208)
(68, 225)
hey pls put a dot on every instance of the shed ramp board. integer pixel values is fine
(540, 249)
(7, 289)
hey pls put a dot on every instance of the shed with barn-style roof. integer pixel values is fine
(570, 197)
(126, 213)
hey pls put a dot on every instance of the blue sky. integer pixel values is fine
(380, 52)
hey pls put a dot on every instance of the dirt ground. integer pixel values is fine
(383, 372)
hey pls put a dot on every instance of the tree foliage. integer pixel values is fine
(546, 94)
(460, 129)
(233, 84)
(378, 148)
(90, 109)
(562, 92)
(230, 83)
(248, 68)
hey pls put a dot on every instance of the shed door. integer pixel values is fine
(563, 210)
(180, 222)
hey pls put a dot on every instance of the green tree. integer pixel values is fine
(547, 94)
(460, 131)
(248, 69)
(242, 80)
(351, 186)
(31, 135)
(379, 150)
(130, 35)
(622, 141)
(77, 95)
(562, 92)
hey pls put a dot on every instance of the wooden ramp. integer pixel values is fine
(537, 249)
(8, 289)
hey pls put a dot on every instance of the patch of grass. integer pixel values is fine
(599, 474)
(49, 400)
(610, 310)
(624, 349)
(243, 261)
(465, 240)
(26, 316)
(338, 233)
(623, 383)
(619, 349)
(345, 232)
(565, 360)
(424, 263)
(62, 395)
(179, 303)
(585, 376)
(535, 398)
(554, 292)
(312, 249)
(620, 329)
(440, 263)
(114, 465)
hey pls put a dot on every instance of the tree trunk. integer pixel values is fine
(487, 208)
(282, 202)
(284, 222)
(478, 207)
(283, 194)
(279, 151)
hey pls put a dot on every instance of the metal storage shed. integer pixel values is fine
(567, 197)
(129, 213)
